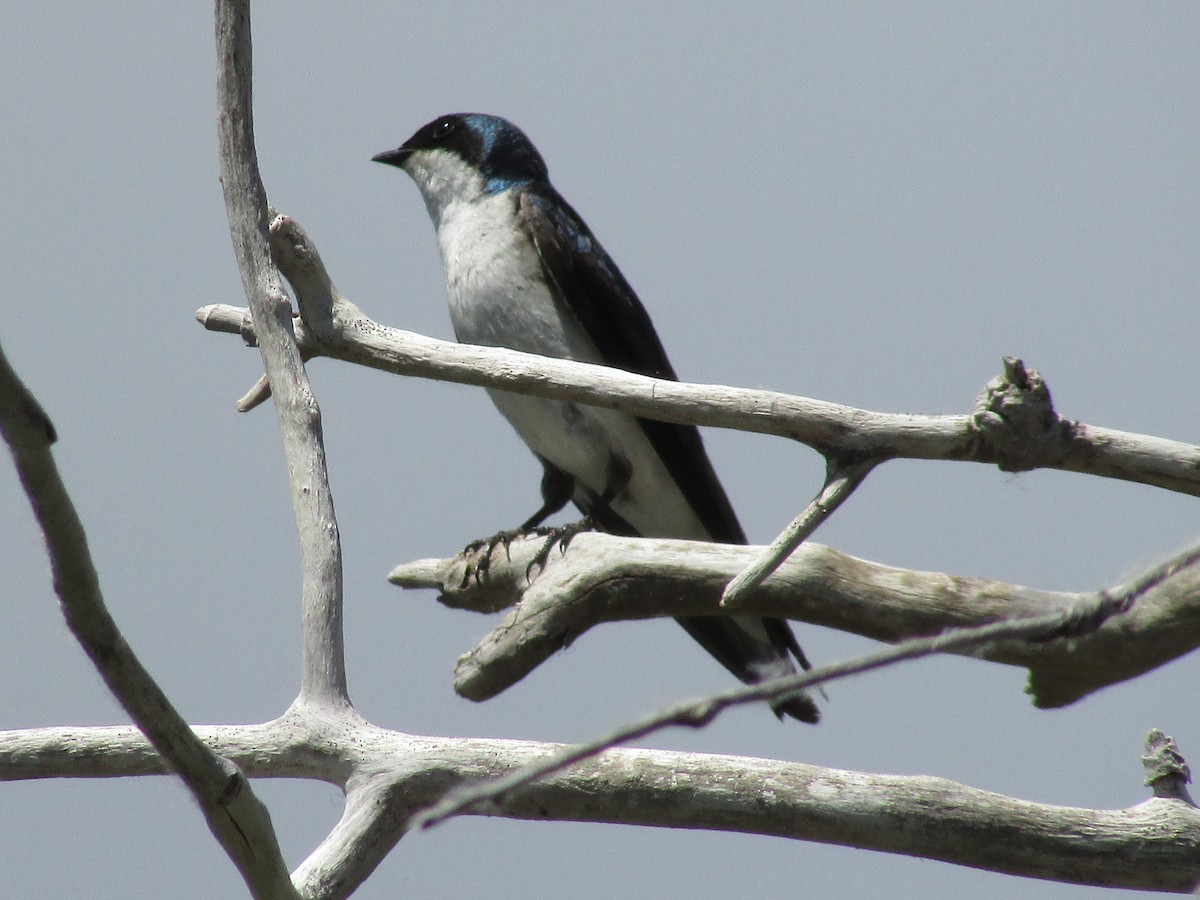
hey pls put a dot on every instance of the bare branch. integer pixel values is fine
(833, 430)
(237, 819)
(1014, 424)
(1151, 846)
(697, 713)
(840, 483)
(376, 816)
(324, 666)
(605, 578)
(923, 816)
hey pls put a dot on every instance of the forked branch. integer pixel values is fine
(603, 578)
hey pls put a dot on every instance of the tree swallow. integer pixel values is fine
(524, 271)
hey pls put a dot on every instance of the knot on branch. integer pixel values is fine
(291, 247)
(1167, 771)
(249, 335)
(1015, 421)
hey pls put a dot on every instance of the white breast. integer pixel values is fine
(498, 298)
(496, 290)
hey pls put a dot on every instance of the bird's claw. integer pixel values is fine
(560, 537)
(479, 553)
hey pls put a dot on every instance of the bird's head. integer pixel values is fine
(463, 156)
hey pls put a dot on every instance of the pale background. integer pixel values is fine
(863, 203)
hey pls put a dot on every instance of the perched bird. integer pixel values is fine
(524, 272)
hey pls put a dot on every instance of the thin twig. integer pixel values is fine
(696, 713)
(840, 483)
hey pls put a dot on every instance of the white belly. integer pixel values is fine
(584, 440)
(497, 298)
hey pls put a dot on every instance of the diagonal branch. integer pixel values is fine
(1069, 623)
(605, 578)
(840, 482)
(377, 814)
(237, 819)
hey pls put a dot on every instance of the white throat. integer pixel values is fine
(445, 180)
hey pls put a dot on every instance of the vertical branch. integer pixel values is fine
(324, 668)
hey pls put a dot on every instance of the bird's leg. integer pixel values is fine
(557, 487)
(599, 513)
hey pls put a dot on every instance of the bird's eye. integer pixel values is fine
(443, 129)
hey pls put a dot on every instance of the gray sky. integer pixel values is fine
(862, 203)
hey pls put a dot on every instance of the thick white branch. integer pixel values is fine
(1014, 424)
(1151, 846)
(1069, 623)
(376, 816)
(605, 578)
(838, 431)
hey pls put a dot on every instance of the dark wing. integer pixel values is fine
(617, 323)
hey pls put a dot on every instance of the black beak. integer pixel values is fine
(395, 157)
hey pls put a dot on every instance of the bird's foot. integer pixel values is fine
(479, 553)
(561, 537)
